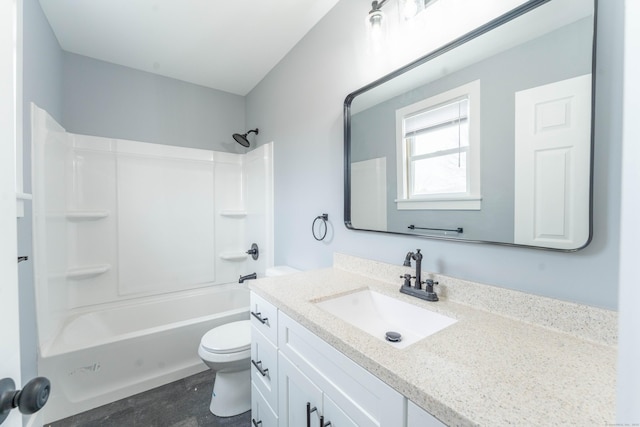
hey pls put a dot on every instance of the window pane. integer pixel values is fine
(440, 138)
(439, 175)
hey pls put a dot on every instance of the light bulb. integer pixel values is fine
(410, 8)
(377, 24)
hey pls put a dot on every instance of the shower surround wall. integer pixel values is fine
(130, 224)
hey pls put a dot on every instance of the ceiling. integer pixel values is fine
(226, 45)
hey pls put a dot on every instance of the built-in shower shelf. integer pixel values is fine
(233, 256)
(233, 213)
(86, 215)
(88, 271)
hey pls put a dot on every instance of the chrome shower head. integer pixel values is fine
(242, 138)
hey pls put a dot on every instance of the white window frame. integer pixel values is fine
(472, 199)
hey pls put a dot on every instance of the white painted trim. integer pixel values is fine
(10, 122)
(628, 410)
(467, 203)
(472, 90)
(34, 420)
(19, 131)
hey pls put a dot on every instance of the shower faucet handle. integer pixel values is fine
(254, 251)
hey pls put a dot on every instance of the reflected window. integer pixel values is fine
(438, 151)
(437, 144)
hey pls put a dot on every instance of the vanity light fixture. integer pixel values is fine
(376, 19)
(407, 9)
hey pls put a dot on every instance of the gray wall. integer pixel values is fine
(109, 100)
(556, 56)
(42, 70)
(299, 107)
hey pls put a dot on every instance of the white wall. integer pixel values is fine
(299, 107)
(629, 345)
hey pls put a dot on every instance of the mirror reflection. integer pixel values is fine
(490, 141)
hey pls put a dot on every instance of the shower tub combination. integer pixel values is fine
(112, 353)
(137, 252)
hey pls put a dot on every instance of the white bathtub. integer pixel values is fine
(106, 355)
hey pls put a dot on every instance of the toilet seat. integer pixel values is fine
(229, 338)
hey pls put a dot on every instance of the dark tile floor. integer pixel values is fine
(183, 403)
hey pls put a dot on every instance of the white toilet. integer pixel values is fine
(227, 350)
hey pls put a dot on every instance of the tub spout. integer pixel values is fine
(247, 277)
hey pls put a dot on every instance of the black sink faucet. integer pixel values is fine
(406, 288)
(407, 259)
(417, 256)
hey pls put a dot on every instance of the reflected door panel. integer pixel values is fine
(552, 153)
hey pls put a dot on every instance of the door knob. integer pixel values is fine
(30, 399)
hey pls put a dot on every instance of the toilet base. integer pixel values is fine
(231, 393)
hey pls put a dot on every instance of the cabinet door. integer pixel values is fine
(418, 417)
(261, 413)
(295, 392)
(334, 415)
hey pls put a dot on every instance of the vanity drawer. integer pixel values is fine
(264, 317)
(366, 399)
(261, 413)
(264, 367)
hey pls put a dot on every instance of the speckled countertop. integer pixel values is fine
(510, 359)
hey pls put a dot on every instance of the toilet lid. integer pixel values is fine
(228, 338)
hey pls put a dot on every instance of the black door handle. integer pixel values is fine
(30, 399)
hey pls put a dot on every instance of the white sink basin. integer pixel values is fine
(378, 314)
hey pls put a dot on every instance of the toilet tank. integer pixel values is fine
(280, 270)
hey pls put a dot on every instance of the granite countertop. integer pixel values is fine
(489, 368)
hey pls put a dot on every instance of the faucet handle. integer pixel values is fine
(430, 284)
(407, 279)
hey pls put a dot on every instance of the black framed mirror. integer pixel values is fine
(487, 139)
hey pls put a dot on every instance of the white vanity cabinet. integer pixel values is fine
(344, 393)
(299, 380)
(302, 403)
(418, 417)
(264, 363)
(261, 413)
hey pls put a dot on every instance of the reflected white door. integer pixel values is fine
(9, 333)
(552, 157)
(369, 194)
